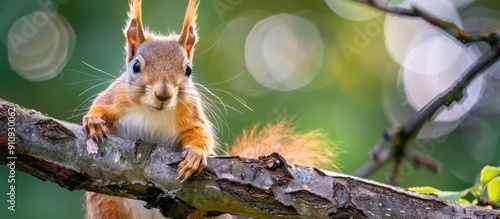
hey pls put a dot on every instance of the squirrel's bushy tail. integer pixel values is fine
(311, 148)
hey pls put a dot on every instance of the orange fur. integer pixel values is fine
(135, 31)
(156, 101)
(160, 86)
(199, 215)
(135, 11)
(311, 148)
(105, 207)
(189, 36)
(191, 15)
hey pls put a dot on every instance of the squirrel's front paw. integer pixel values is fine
(95, 126)
(194, 161)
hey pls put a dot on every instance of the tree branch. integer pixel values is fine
(451, 29)
(400, 135)
(57, 151)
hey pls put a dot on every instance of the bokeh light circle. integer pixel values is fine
(400, 32)
(352, 10)
(39, 45)
(431, 68)
(228, 57)
(284, 52)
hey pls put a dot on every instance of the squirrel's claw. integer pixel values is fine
(194, 162)
(96, 127)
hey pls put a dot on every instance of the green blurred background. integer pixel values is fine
(350, 88)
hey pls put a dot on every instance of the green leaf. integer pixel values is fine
(477, 190)
(463, 201)
(424, 189)
(488, 173)
(450, 196)
(494, 189)
(474, 202)
(464, 192)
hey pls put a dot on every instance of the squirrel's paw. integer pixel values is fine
(194, 161)
(96, 127)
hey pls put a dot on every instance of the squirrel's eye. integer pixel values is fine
(136, 67)
(189, 70)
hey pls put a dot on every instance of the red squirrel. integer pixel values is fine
(155, 100)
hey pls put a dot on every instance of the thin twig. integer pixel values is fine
(421, 159)
(374, 164)
(400, 135)
(450, 28)
(416, 157)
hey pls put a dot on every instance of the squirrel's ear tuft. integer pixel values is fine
(134, 31)
(188, 36)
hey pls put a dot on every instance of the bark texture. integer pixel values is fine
(61, 152)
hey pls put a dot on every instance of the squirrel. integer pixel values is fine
(155, 100)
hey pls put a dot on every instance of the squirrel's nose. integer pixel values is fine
(163, 92)
(163, 95)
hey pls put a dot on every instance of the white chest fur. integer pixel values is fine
(142, 123)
